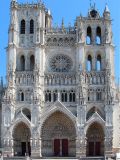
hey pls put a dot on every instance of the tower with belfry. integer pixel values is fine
(61, 99)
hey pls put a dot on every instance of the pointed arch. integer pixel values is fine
(92, 111)
(22, 98)
(98, 35)
(32, 62)
(95, 140)
(95, 118)
(61, 128)
(27, 113)
(22, 63)
(22, 27)
(99, 65)
(89, 36)
(31, 26)
(21, 135)
(20, 122)
(89, 63)
(57, 107)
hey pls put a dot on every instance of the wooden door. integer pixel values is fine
(23, 145)
(64, 147)
(29, 148)
(57, 147)
(91, 148)
(97, 148)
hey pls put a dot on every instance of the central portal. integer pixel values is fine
(61, 147)
(58, 136)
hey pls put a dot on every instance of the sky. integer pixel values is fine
(67, 10)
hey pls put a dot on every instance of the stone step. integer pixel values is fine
(53, 158)
(87, 158)
(70, 158)
(58, 159)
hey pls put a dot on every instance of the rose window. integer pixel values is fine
(60, 63)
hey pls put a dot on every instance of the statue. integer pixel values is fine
(106, 35)
(80, 33)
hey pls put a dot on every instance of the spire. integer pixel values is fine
(80, 15)
(106, 8)
(106, 12)
(62, 23)
(2, 82)
(90, 4)
(13, 0)
(94, 6)
(39, 1)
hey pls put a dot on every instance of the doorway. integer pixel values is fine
(26, 149)
(95, 140)
(94, 148)
(21, 137)
(61, 147)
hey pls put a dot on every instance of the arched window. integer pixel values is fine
(64, 96)
(22, 63)
(55, 96)
(92, 111)
(72, 96)
(98, 63)
(98, 96)
(22, 27)
(89, 63)
(32, 63)
(22, 96)
(31, 26)
(46, 97)
(50, 97)
(98, 35)
(89, 36)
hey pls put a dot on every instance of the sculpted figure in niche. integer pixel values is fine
(106, 35)
(80, 33)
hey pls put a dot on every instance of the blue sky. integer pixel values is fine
(67, 9)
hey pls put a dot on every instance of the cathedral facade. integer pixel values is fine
(61, 99)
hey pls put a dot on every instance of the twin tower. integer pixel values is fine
(61, 99)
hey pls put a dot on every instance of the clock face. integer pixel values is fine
(60, 63)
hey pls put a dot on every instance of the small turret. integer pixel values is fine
(106, 13)
(13, 1)
(62, 24)
(48, 19)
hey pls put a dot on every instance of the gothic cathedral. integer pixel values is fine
(61, 98)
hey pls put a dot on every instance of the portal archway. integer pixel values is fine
(58, 136)
(21, 136)
(95, 140)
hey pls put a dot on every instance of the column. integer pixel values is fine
(81, 139)
(108, 130)
(36, 147)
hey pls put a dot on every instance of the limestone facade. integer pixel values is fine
(61, 98)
